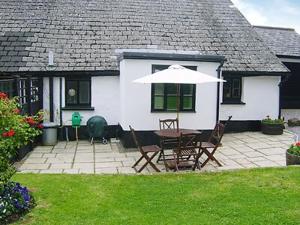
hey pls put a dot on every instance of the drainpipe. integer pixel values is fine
(218, 90)
(60, 101)
(51, 98)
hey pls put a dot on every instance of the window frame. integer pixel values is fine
(165, 94)
(78, 80)
(232, 100)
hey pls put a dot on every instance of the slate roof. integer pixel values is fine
(282, 41)
(84, 34)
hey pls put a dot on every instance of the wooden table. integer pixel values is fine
(174, 133)
(169, 139)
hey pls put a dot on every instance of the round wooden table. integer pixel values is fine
(174, 133)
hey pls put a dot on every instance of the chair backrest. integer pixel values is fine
(135, 139)
(217, 134)
(168, 124)
(188, 142)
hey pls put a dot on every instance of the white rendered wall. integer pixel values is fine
(46, 100)
(104, 98)
(135, 98)
(261, 98)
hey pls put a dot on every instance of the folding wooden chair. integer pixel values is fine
(168, 124)
(187, 154)
(145, 150)
(167, 143)
(210, 147)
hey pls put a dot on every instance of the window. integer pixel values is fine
(164, 96)
(7, 86)
(78, 92)
(232, 90)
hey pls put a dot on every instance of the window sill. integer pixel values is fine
(157, 111)
(87, 108)
(233, 103)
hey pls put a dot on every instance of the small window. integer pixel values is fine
(78, 92)
(164, 96)
(232, 90)
(7, 86)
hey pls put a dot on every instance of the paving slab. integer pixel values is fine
(60, 165)
(239, 150)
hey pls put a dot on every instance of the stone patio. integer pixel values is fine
(239, 150)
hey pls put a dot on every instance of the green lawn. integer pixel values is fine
(261, 196)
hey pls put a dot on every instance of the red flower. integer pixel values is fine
(3, 95)
(40, 126)
(17, 111)
(30, 121)
(10, 133)
(298, 144)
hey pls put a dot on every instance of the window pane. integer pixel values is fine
(227, 89)
(158, 89)
(159, 102)
(71, 92)
(187, 89)
(171, 103)
(187, 102)
(236, 93)
(236, 83)
(84, 92)
(171, 89)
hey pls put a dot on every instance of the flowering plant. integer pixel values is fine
(16, 130)
(268, 120)
(14, 200)
(295, 149)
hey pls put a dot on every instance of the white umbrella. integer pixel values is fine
(177, 74)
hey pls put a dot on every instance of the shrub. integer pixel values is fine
(295, 149)
(16, 130)
(268, 120)
(14, 201)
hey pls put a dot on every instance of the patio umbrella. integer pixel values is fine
(177, 74)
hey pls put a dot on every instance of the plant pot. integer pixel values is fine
(272, 129)
(292, 159)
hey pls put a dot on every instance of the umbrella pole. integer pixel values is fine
(177, 104)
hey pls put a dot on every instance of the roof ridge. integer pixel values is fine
(275, 28)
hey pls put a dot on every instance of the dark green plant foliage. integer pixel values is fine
(295, 149)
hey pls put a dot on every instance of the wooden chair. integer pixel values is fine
(210, 147)
(145, 150)
(168, 124)
(186, 154)
(167, 143)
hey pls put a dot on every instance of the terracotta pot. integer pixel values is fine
(272, 129)
(292, 159)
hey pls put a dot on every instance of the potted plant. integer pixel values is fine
(293, 154)
(272, 126)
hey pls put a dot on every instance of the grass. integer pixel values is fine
(260, 196)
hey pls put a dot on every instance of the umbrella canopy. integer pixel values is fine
(177, 74)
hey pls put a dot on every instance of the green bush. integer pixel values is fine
(16, 130)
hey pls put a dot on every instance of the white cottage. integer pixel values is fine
(99, 47)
